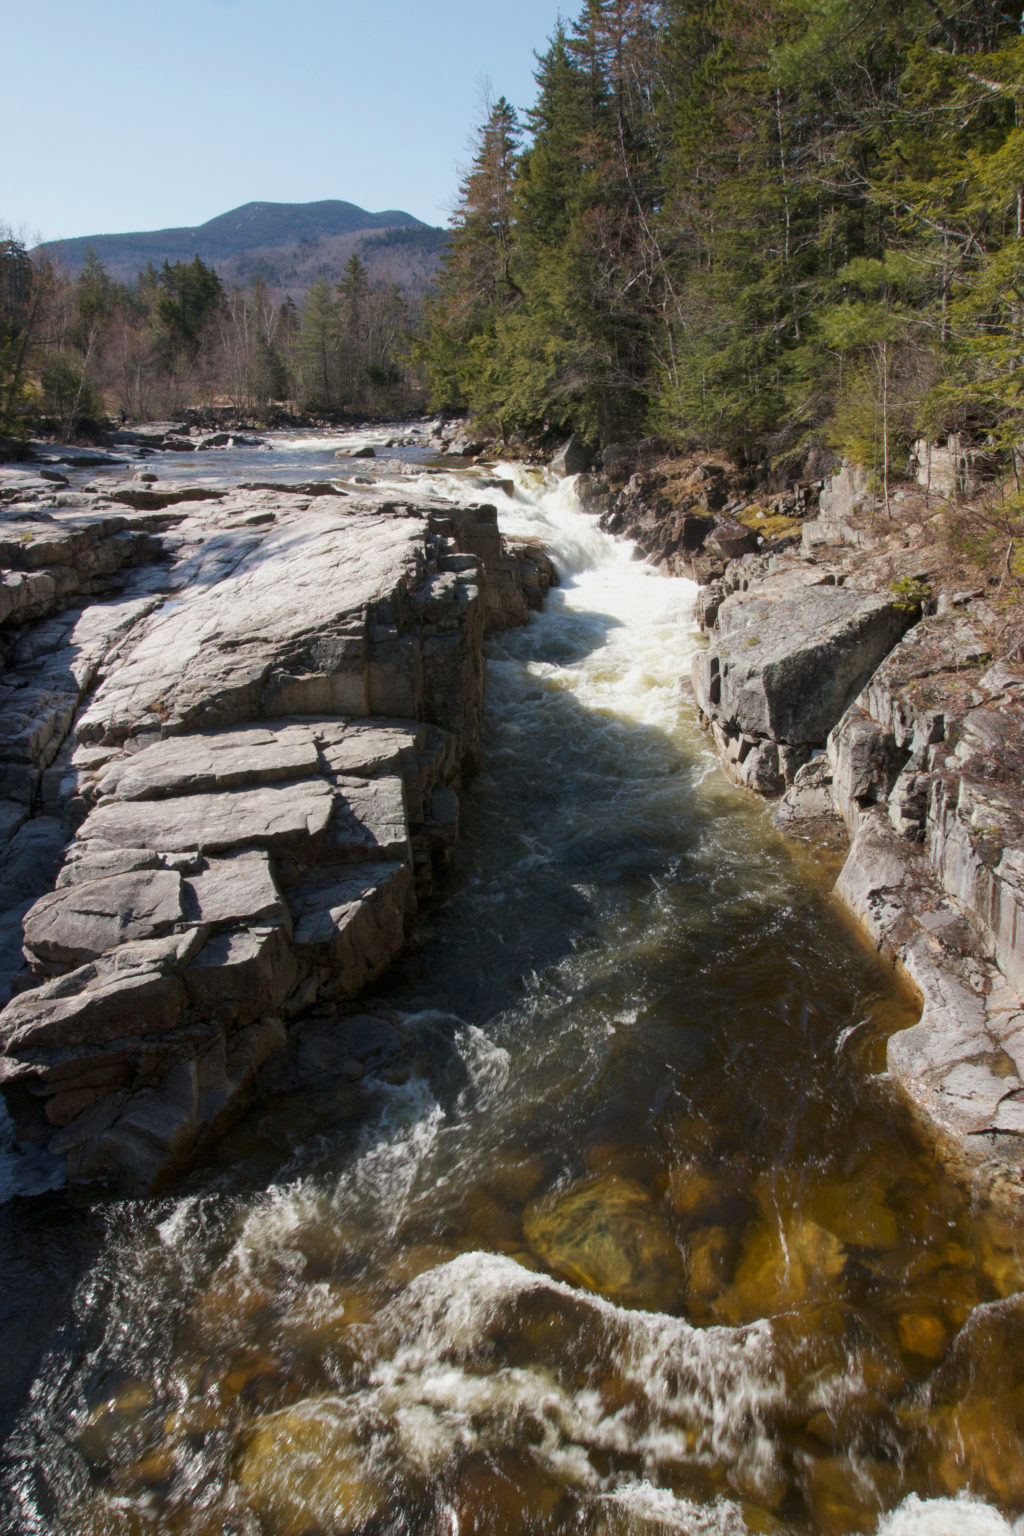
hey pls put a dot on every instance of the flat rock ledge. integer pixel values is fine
(899, 736)
(226, 785)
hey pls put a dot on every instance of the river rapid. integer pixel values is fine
(632, 1239)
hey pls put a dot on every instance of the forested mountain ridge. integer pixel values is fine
(253, 226)
(762, 229)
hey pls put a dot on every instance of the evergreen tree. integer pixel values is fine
(187, 297)
(317, 347)
(476, 285)
(21, 288)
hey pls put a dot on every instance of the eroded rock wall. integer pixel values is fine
(926, 771)
(248, 780)
(900, 734)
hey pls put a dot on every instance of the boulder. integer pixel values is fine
(465, 446)
(785, 667)
(573, 458)
(730, 539)
(618, 461)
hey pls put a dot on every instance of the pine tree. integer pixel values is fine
(476, 284)
(21, 289)
(317, 347)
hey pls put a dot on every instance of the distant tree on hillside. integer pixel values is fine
(21, 294)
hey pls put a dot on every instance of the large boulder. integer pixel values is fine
(465, 446)
(573, 458)
(730, 539)
(785, 667)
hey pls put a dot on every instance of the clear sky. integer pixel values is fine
(127, 115)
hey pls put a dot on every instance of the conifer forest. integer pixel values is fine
(764, 228)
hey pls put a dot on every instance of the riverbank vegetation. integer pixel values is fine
(76, 350)
(779, 231)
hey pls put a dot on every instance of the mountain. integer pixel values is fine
(275, 238)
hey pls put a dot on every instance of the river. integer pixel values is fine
(634, 1238)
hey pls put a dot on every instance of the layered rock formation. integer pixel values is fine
(788, 656)
(898, 732)
(245, 764)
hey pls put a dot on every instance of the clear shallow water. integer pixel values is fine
(635, 1242)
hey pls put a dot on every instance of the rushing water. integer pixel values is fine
(633, 1239)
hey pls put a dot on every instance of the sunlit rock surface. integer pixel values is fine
(248, 759)
(785, 661)
(900, 732)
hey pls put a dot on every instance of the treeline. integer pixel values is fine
(763, 227)
(76, 350)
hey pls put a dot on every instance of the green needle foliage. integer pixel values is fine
(760, 228)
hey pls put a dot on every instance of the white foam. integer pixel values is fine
(489, 1066)
(404, 1138)
(645, 1502)
(693, 1397)
(962, 1516)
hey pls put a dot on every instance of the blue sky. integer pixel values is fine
(135, 116)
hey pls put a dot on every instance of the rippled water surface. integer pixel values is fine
(630, 1239)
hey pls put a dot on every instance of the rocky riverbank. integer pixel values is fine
(846, 676)
(234, 727)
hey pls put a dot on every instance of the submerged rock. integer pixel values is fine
(504, 1494)
(304, 1466)
(976, 1418)
(609, 1237)
(781, 1266)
